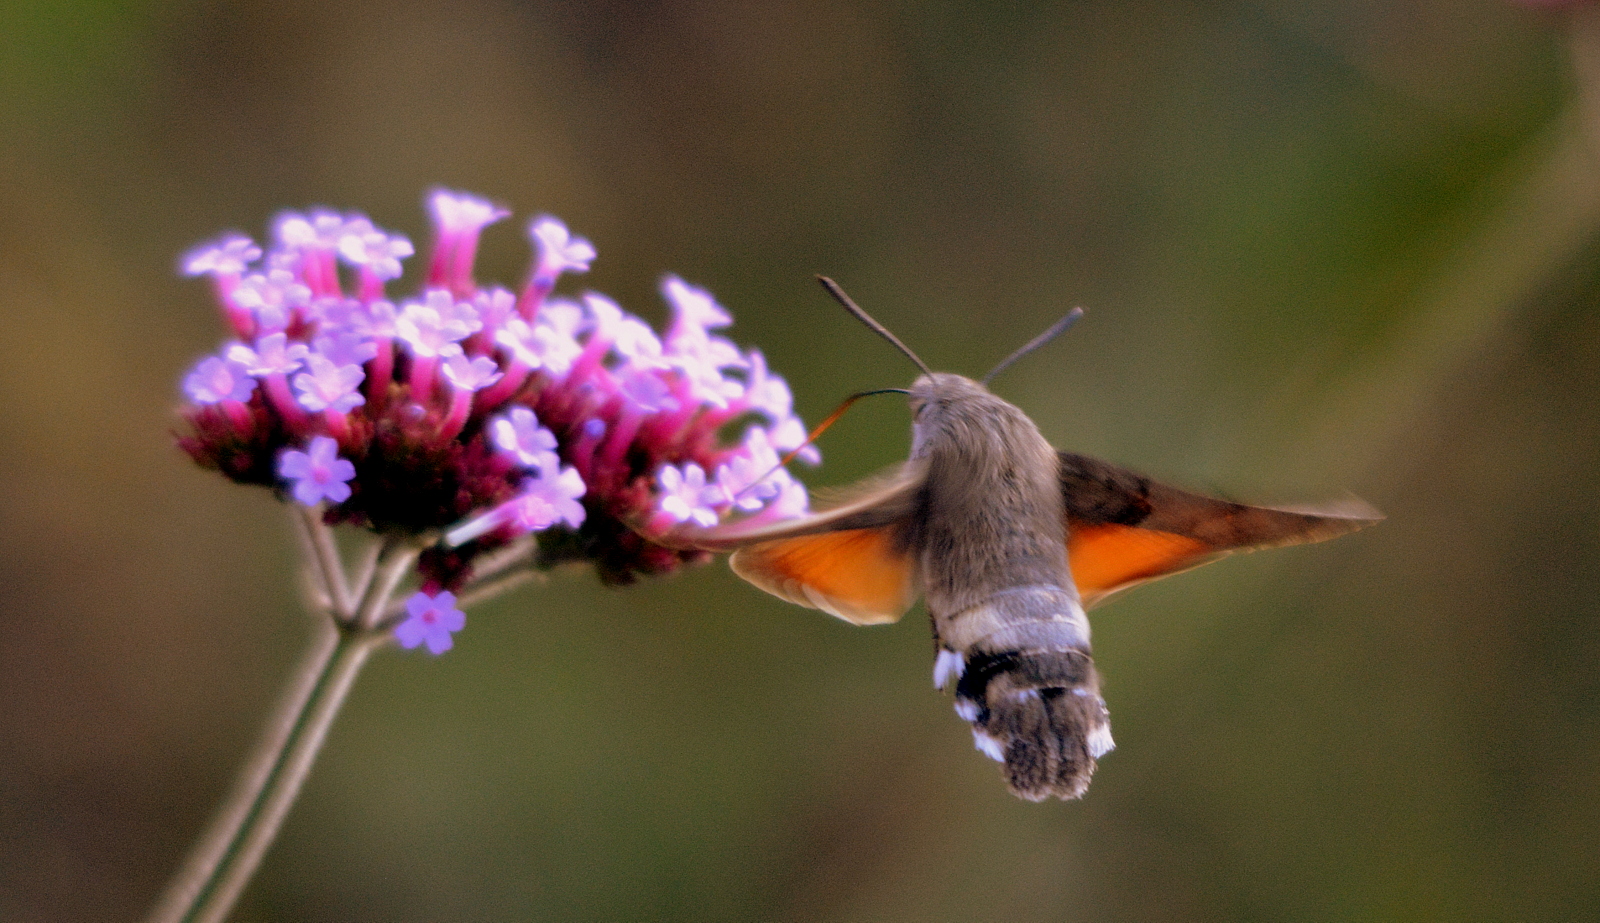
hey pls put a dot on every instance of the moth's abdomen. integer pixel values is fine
(1025, 681)
(1039, 712)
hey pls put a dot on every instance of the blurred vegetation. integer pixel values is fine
(1327, 246)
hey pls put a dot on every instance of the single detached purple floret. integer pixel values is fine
(430, 620)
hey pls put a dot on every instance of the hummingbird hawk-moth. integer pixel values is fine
(1009, 541)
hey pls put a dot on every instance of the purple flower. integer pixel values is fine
(320, 231)
(694, 307)
(767, 394)
(373, 320)
(433, 328)
(363, 245)
(561, 490)
(430, 620)
(540, 345)
(792, 500)
(327, 386)
(459, 213)
(459, 218)
(684, 496)
(318, 474)
(471, 374)
(559, 251)
(634, 341)
(227, 257)
(563, 316)
(750, 479)
(493, 308)
(522, 340)
(273, 355)
(692, 347)
(476, 413)
(632, 338)
(647, 392)
(790, 434)
(216, 379)
(705, 382)
(345, 347)
(520, 435)
(272, 297)
(551, 499)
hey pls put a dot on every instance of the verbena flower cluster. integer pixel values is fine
(478, 413)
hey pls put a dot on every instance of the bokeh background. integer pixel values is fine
(1325, 246)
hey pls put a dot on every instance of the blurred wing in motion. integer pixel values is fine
(849, 560)
(1124, 529)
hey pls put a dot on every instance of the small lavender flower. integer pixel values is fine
(272, 298)
(328, 386)
(365, 246)
(227, 257)
(317, 474)
(684, 497)
(697, 310)
(459, 219)
(551, 499)
(216, 379)
(747, 482)
(431, 619)
(272, 355)
(559, 490)
(519, 434)
(345, 347)
(433, 327)
(559, 251)
(477, 413)
(471, 374)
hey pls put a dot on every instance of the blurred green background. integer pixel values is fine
(1324, 246)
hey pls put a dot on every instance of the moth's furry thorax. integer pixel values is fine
(990, 537)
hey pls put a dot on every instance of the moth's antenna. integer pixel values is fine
(821, 428)
(839, 296)
(1056, 329)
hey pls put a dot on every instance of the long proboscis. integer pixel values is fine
(862, 316)
(820, 429)
(832, 419)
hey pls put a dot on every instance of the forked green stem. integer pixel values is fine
(216, 872)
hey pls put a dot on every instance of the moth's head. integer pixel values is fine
(939, 398)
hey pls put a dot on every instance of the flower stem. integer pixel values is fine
(360, 614)
(212, 878)
(324, 557)
(215, 873)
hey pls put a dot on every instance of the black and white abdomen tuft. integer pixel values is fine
(1025, 681)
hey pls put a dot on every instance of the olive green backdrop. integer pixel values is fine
(1324, 247)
